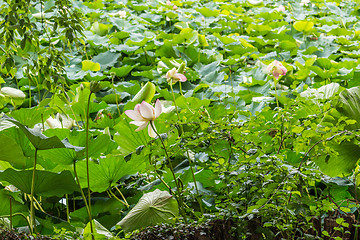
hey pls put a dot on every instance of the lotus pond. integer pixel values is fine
(134, 119)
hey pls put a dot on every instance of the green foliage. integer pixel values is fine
(233, 141)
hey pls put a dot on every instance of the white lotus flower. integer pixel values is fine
(281, 8)
(304, 2)
(276, 68)
(121, 14)
(247, 80)
(60, 121)
(143, 114)
(172, 76)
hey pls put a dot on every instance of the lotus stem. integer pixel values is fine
(195, 183)
(126, 203)
(176, 108)
(84, 197)
(276, 96)
(11, 215)
(113, 195)
(17, 214)
(179, 198)
(87, 164)
(32, 212)
(67, 208)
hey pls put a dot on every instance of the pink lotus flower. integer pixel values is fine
(172, 76)
(276, 68)
(281, 8)
(143, 114)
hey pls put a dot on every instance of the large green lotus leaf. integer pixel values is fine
(166, 50)
(39, 140)
(62, 133)
(324, 63)
(103, 206)
(96, 40)
(52, 158)
(187, 35)
(206, 12)
(59, 156)
(225, 39)
(11, 152)
(138, 7)
(46, 183)
(90, 65)
(17, 207)
(195, 103)
(100, 233)
(16, 148)
(107, 172)
(350, 105)
(127, 139)
(5, 125)
(5, 165)
(204, 70)
(324, 92)
(31, 116)
(50, 224)
(258, 29)
(122, 71)
(106, 59)
(153, 208)
(303, 26)
(138, 39)
(343, 163)
(102, 144)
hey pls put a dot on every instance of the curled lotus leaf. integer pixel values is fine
(153, 208)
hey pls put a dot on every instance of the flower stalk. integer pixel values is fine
(178, 197)
(88, 210)
(87, 159)
(181, 131)
(32, 211)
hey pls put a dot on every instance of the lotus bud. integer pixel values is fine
(181, 68)
(60, 121)
(39, 15)
(95, 86)
(16, 96)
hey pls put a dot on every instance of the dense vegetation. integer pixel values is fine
(235, 117)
